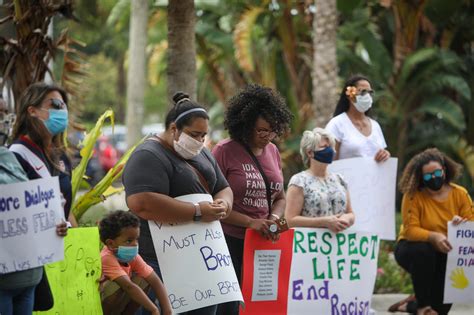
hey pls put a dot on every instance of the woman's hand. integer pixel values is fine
(262, 226)
(382, 155)
(440, 242)
(225, 204)
(458, 220)
(212, 211)
(336, 223)
(61, 229)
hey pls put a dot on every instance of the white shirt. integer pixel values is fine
(353, 142)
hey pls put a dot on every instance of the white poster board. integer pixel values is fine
(332, 273)
(195, 262)
(29, 212)
(372, 188)
(459, 281)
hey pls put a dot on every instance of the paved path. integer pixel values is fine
(381, 302)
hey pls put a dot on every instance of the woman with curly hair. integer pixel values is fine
(252, 165)
(357, 134)
(430, 200)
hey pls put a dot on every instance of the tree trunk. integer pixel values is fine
(121, 86)
(136, 79)
(325, 81)
(181, 68)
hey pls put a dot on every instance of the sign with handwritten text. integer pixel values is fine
(75, 280)
(29, 212)
(372, 188)
(459, 281)
(332, 273)
(195, 262)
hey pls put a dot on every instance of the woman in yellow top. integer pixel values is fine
(430, 200)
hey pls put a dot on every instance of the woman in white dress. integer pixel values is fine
(316, 197)
(357, 135)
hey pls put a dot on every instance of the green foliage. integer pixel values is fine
(391, 278)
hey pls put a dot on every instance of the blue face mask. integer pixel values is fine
(57, 121)
(126, 253)
(325, 155)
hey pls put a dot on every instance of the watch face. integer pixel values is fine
(273, 228)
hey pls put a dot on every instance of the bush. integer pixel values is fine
(391, 278)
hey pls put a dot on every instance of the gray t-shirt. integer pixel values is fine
(153, 168)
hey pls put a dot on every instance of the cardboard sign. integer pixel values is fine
(459, 281)
(372, 188)
(329, 274)
(29, 213)
(266, 271)
(195, 262)
(75, 280)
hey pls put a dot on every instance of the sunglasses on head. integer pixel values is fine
(57, 103)
(436, 173)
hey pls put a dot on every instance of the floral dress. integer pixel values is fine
(322, 196)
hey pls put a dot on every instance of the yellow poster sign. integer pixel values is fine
(74, 281)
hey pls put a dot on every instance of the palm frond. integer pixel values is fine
(243, 38)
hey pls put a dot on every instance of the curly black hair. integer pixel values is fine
(412, 177)
(255, 101)
(111, 226)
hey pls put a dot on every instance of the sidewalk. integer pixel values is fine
(381, 302)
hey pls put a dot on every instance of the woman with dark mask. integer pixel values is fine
(315, 197)
(430, 200)
(172, 164)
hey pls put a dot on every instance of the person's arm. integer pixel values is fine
(467, 207)
(338, 146)
(136, 293)
(160, 292)
(411, 219)
(278, 206)
(159, 207)
(294, 206)
(349, 216)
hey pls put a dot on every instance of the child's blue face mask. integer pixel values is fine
(126, 253)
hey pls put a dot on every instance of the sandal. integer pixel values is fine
(396, 307)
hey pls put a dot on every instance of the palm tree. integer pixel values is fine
(181, 48)
(325, 70)
(136, 71)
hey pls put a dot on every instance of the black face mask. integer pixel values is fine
(434, 183)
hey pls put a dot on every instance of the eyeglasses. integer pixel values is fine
(436, 173)
(265, 133)
(363, 92)
(57, 103)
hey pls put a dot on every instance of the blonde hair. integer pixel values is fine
(311, 139)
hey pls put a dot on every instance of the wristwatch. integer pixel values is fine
(197, 213)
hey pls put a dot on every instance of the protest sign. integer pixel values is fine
(29, 213)
(266, 270)
(459, 281)
(372, 188)
(195, 262)
(330, 273)
(75, 280)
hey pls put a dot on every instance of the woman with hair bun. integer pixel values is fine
(172, 164)
(315, 197)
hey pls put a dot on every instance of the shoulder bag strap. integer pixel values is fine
(202, 180)
(264, 176)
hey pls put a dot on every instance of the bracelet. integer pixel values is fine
(275, 216)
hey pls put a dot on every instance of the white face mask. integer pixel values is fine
(187, 147)
(363, 102)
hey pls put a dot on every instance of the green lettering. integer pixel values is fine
(341, 239)
(327, 242)
(354, 271)
(352, 244)
(340, 267)
(363, 240)
(312, 241)
(375, 240)
(299, 237)
(315, 270)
